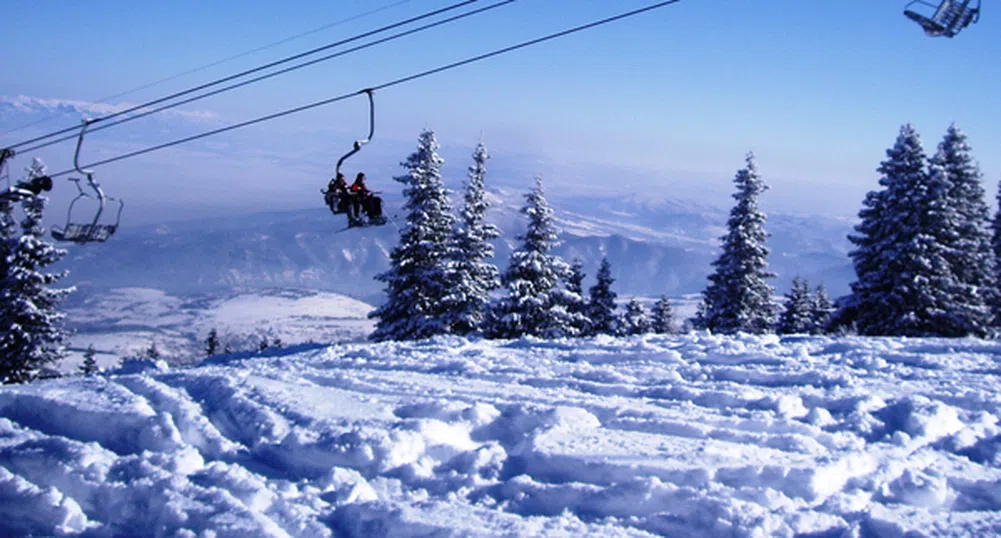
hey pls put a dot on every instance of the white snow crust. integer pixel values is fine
(694, 435)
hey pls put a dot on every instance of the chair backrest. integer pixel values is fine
(942, 14)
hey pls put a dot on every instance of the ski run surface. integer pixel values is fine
(691, 435)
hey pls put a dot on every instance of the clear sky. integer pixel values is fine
(673, 98)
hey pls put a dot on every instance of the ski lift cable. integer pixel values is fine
(218, 62)
(274, 73)
(384, 85)
(252, 71)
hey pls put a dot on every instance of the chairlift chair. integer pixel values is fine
(338, 204)
(94, 231)
(947, 19)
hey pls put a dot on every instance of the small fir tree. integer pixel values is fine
(822, 310)
(472, 277)
(601, 306)
(536, 301)
(798, 315)
(738, 297)
(89, 366)
(662, 321)
(635, 320)
(31, 332)
(212, 343)
(417, 282)
(577, 305)
(152, 352)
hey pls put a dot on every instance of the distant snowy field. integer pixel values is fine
(694, 435)
(123, 322)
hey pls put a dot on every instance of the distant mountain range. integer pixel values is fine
(655, 246)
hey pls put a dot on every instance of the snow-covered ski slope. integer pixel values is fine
(694, 435)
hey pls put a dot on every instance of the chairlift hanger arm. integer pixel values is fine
(79, 143)
(370, 92)
(5, 155)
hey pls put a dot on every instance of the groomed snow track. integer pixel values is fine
(695, 435)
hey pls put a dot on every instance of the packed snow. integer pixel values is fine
(692, 435)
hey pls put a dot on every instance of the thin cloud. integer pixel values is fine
(29, 104)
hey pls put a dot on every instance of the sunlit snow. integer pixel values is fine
(693, 435)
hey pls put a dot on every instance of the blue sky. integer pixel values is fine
(669, 101)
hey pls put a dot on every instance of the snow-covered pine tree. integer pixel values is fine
(738, 298)
(212, 343)
(601, 305)
(967, 236)
(635, 320)
(797, 316)
(535, 299)
(996, 246)
(821, 311)
(89, 366)
(577, 304)
(904, 285)
(472, 277)
(662, 321)
(31, 332)
(417, 280)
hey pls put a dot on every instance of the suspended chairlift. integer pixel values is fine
(339, 196)
(23, 190)
(95, 231)
(947, 19)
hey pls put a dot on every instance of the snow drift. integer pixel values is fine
(694, 435)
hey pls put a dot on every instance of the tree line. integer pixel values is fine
(441, 279)
(925, 255)
(926, 259)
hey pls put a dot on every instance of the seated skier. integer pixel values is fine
(337, 195)
(36, 185)
(24, 190)
(364, 200)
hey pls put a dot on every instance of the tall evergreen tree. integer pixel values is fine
(31, 332)
(904, 283)
(822, 309)
(417, 281)
(601, 306)
(635, 320)
(738, 297)
(535, 300)
(662, 321)
(966, 234)
(797, 317)
(472, 277)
